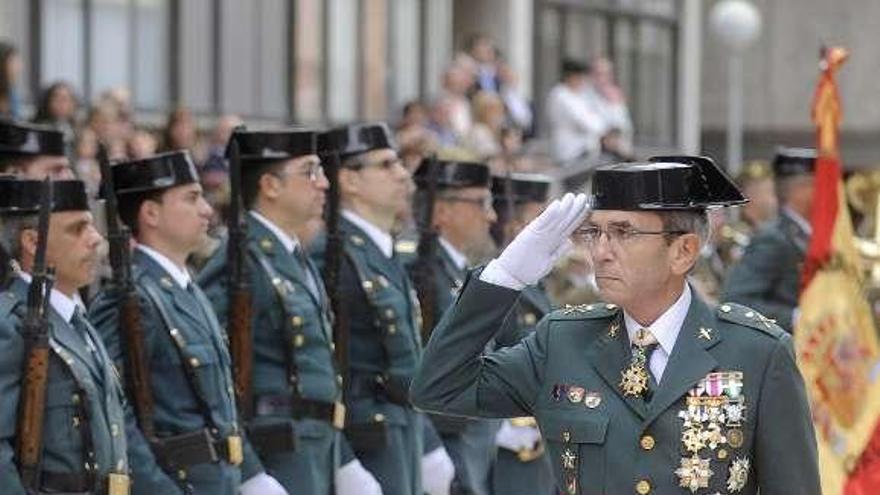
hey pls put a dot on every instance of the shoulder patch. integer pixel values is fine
(406, 246)
(748, 317)
(585, 311)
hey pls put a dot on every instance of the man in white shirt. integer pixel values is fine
(576, 129)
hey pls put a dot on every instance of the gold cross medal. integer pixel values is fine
(634, 380)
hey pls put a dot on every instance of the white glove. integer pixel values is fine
(532, 254)
(437, 472)
(516, 438)
(354, 479)
(262, 484)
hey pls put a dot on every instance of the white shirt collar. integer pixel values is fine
(180, 275)
(289, 243)
(380, 238)
(63, 305)
(799, 220)
(459, 259)
(668, 325)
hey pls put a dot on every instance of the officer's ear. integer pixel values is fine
(269, 185)
(684, 251)
(148, 215)
(28, 242)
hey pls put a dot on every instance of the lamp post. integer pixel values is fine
(737, 24)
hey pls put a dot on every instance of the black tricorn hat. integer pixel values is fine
(21, 197)
(162, 171)
(20, 139)
(356, 139)
(452, 174)
(521, 188)
(794, 161)
(274, 145)
(664, 183)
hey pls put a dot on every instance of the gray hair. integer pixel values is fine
(11, 228)
(693, 222)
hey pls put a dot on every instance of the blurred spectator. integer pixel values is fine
(180, 132)
(484, 139)
(457, 81)
(10, 72)
(484, 53)
(575, 128)
(119, 98)
(141, 144)
(608, 101)
(86, 165)
(109, 129)
(57, 106)
(414, 144)
(415, 115)
(756, 183)
(216, 153)
(519, 110)
(441, 125)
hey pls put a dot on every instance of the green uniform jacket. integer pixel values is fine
(84, 403)
(200, 340)
(567, 375)
(292, 347)
(768, 276)
(380, 310)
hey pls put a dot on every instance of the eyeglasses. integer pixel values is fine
(314, 171)
(485, 202)
(618, 234)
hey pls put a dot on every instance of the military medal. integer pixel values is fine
(576, 394)
(694, 473)
(735, 437)
(568, 459)
(739, 474)
(634, 379)
(592, 400)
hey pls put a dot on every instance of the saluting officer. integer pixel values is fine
(33, 151)
(193, 430)
(653, 391)
(378, 307)
(522, 465)
(461, 215)
(769, 273)
(298, 414)
(84, 427)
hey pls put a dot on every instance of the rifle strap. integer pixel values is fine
(153, 294)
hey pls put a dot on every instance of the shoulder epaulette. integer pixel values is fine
(8, 302)
(585, 311)
(748, 317)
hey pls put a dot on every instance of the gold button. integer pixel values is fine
(725, 308)
(379, 418)
(722, 454)
(750, 314)
(194, 362)
(333, 346)
(647, 442)
(392, 329)
(643, 487)
(114, 429)
(181, 474)
(339, 379)
(367, 285)
(75, 399)
(76, 421)
(611, 306)
(299, 340)
(297, 321)
(389, 313)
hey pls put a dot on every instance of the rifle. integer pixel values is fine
(137, 372)
(424, 273)
(35, 329)
(333, 261)
(239, 316)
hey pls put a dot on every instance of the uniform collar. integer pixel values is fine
(63, 305)
(668, 325)
(798, 220)
(181, 276)
(289, 243)
(380, 238)
(459, 259)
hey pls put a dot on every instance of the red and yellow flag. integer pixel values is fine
(837, 346)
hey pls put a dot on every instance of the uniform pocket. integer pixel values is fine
(205, 365)
(576, 443)
(62, 425)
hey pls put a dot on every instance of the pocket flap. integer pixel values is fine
(573, 427)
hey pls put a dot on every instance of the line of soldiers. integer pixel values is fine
(282, 367)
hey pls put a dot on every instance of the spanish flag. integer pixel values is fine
(836, 343)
